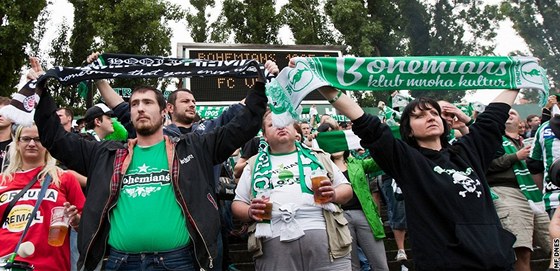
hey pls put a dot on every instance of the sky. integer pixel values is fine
(506, 41)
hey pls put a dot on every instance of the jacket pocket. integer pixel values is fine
(342, 231)
(254, 244)
(481, 246)
(340, 240)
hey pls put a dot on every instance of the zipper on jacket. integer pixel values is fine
(186, 210)
(105, 211)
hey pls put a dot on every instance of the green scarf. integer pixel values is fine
(524, 179)
(396, 73)
(262, 170)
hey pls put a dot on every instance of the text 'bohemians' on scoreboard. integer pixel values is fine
(235, 89)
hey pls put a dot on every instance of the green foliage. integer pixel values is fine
(538, 23)
(308, 24)
(250, 21)
(60, 54)
(197, 23)
(16, 30)
(129, 27)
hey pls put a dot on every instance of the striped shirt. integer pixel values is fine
(546, 148)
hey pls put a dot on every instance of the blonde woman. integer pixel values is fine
(28, 159)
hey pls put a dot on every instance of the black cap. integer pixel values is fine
(97, 110)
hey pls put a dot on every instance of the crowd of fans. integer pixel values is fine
(146, 186)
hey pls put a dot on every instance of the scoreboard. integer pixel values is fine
(227, 89)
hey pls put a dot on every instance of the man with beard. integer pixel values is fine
(181, 105)
(150, 204)
(519, 204)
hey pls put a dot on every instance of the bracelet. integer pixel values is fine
(335, 98)
(470, 122)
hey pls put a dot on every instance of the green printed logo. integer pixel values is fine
(531, 72)
(300, 77)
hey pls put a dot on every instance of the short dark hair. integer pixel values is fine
(91, 124)
(172, 98)
(298, 130)
(530, 117)
(67, 111)
(266, 113)
(422, 103)
(159, 96)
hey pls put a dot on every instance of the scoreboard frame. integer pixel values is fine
(222, 90)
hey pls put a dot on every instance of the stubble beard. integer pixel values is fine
(183, 118)
(147, 129)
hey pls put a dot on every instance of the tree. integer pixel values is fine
(463, 27)
(249, 21)
(60, 54)
(16, 29)
(538, 23)
(197, 23)
(129, 27)
(307, 22)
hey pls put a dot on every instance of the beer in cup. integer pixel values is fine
(265, 196)
(58, 228)
(317, 176)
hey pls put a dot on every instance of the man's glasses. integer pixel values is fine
(27, 139)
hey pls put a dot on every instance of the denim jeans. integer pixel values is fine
(180, 259)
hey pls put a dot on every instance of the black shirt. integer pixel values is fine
(354, 203)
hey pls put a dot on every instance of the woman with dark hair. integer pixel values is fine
(451, 217)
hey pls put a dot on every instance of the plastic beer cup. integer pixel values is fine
(317, 176)
(265, 196)
(58, 228)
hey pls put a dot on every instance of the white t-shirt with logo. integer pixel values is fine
(287, 189)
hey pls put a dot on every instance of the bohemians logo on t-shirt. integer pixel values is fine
(145, 180)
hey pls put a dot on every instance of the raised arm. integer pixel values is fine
(344, 104)
(112, 98)
(507, 96)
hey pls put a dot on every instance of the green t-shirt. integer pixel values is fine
(147, 217)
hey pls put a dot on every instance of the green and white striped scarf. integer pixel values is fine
(397, 73)
(262, 174)
(336, 141)
(526, 183)
(262, 170)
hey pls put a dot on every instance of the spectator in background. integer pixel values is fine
(519, 204)
(543, 153)
(523, 127)
(362, 213)
(66, 116)
(305, 128)
(306, 132)
(5, 134)
(80, 125)
(533, 121)
(98, 122)
(548, 109)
